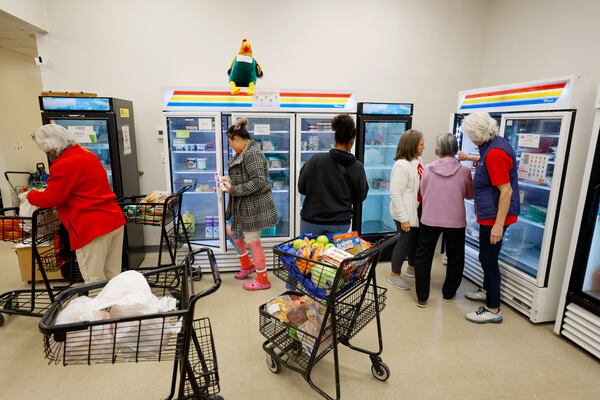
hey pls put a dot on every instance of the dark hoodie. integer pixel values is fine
(332, 183)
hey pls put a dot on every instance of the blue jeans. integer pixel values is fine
(488, 256)
(316, 229)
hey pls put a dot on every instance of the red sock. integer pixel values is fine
(260, 262)
(245, 261)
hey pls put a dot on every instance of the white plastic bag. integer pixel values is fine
(126, 295)
(26, 209)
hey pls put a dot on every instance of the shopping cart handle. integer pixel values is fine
(213, 269)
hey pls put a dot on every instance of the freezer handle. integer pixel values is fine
(593, 211)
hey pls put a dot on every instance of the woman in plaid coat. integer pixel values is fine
(251, 206)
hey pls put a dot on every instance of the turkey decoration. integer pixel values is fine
(244, 70)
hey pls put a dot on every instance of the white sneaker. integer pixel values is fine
(398, 282)
(444, 259)
(410, 272)
(484, 316)
(478, 295)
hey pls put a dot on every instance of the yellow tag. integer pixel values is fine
(124, 112)
(182, 134)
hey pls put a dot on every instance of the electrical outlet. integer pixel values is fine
(18, 146)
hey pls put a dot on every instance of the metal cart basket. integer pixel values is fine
(350, 299)
(31, 232)
(166, 215)
(144, 337)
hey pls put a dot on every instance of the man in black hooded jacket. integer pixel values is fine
(332, 183)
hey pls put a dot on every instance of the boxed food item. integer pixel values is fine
(24, 254)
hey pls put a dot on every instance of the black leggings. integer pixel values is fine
(406, 247)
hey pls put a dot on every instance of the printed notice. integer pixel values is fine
(529, 140)
(182, 134)
(126, 140)
(533, 167)
(205, 124)
(262, 129)
(124, 112)
(83, 133)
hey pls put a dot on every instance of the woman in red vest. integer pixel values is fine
(79, 190)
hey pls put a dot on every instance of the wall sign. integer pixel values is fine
(549, 94)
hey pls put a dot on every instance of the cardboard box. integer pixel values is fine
(24, 256)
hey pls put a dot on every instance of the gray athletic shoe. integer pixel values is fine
(398, 282)
(478, 295)
(484, 316)
(410, 272)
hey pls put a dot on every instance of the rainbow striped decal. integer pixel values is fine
(264, 100)
(525, 96)
(208, 98)
(302, 100)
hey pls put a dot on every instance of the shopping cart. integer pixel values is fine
(350, 299)
(31, 232)
(167, 215)
(172, 336)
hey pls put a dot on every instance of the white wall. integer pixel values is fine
(20, 85)
(410, 50)
(31, 11)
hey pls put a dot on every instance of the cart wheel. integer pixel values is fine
(380, 371)
(273, 364)
(1, 319)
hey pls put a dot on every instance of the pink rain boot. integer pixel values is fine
(245, 261)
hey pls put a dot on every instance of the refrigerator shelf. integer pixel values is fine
(278, 169)
(96, 146)
(280, 191)
(387, 146)
(329, 132)
(194, 172)
(275, 151)
(186, 193)
(534, 185)
(314, 151)
(270, 132)
(379, 167)
(521, 218)
(193, 152)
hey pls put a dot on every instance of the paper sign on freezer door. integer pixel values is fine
(83, 133)
(262, 129)
(126, 140)
(529, 140)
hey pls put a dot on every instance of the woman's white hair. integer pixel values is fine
(480, 126)
(53, 137)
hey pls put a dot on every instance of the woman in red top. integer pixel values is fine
(79, 190)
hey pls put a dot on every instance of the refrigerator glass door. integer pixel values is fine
(591, 280)
(194, 149)
(273, 135)
(381, 140)
(315, 136)
(540, 152)
(91, 134)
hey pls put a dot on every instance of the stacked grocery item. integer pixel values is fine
(149, 210)
(313, 262)
(302, 315)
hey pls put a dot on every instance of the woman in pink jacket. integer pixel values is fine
(445, 185)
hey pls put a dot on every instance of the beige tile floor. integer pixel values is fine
(433, 353)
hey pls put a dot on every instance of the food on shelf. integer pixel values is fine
(313, 143)
(10, 229)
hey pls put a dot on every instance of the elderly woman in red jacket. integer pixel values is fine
(79, 190)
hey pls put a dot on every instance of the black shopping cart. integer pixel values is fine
(350, 299)
(174, 233)
(31, 233)
(171, 336)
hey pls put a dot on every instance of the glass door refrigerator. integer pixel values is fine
(578, 317)
(195, 158)
(380, 126)
(273, 133)
(314, 135)
(105, 126)
(533, 256)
